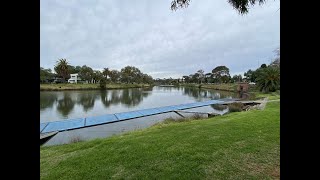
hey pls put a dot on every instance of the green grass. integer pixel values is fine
(68, 86)
(270, 96)
(240, 145)
(223, 87)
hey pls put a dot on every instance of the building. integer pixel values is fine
(243, 87)
(74, 78)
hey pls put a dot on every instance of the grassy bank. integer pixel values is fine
(223, 87)
(58, 87)
(241, 145)
(270, 95)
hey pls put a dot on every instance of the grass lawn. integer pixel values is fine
(241, 145)
(270, 95)
(69, 86)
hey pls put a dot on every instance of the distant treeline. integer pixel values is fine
(63, 69)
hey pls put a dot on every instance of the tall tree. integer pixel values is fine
(74, 70)
(62, 69)
(200, 75)
(207, 78)
(97, 76)
(276, 61)
(86, 73)
(130, 74)
(242, 6)
(221, 74)
(45, 75)
(186, 79)
(237, 78)
(268, 79)
(114, 76)
(106, 72)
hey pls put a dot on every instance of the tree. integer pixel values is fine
(208, 78)
(114, 75)
(200, 75)
(62, 69)
(130, 74)
(147, 79)
(237, 78)
(221, 74)
(97, 76)
(276, 62)
(250, 75)
(242, 6)
(86, 73)
(263, 66)
(74, 70)
(106, 72)
(45, 75)
(268, 79)
(186, 79)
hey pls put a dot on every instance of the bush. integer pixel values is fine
(235, 107)
(102, 83)
(219, 107)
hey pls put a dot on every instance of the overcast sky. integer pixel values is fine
(160, 42)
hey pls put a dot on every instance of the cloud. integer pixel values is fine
(160, 42)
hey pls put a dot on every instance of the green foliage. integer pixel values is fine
(242, 6)
(45, 75)
(236, 78)
(114, 76)
(268, 79)
(263, 66)
(86, 73)
(103, 83)
(221, 74)
(62, 69)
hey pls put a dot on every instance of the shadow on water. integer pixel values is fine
(87, 100)
(65, 105)
(53, 105)
(201, 94)
(109, 98)
(47, 100)
(132, 97)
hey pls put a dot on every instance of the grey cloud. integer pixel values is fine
(162, 43)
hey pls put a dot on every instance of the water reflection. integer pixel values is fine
(110, 98)
(47, 100)
(201, 94)
(87, 100)
(65, 105)
(132, 97)
(74, 104)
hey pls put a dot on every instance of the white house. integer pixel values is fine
(74, 78)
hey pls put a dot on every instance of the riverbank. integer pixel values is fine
(242, 145)
(222, 87)
(68, 86)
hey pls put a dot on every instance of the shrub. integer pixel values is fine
(102, 83)
(235, 107)
(219, 107)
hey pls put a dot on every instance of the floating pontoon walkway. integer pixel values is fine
(70, 124)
